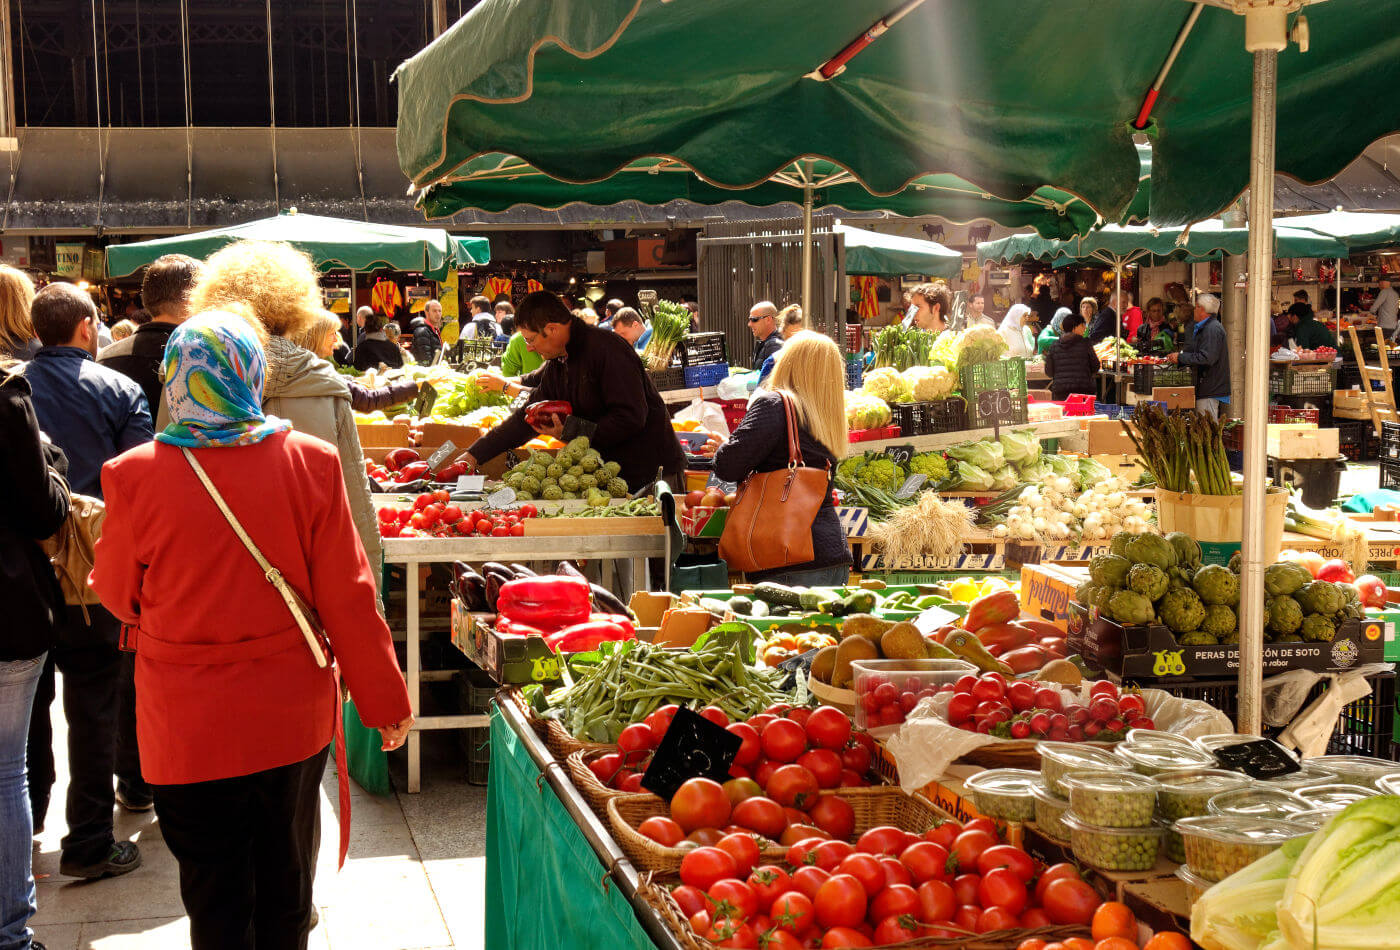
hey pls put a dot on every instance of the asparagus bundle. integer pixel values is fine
(1180, 446)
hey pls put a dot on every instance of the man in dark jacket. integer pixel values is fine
(1104, 326)
(93, 413)
(599, 374)
(1207, 349)
(1070, 362)
(1303, 326)
(763, 324)
(165, 290)
(375, 347)
(427, 342)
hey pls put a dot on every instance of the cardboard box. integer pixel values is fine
(949, 795)
(391, 435)
(1163, 904)
(509, 660)
(1127, 466)
(1176, 397)
(1107, 437)
(1047, 590)
(1303, 442)
(1110, 884)
(650, 605)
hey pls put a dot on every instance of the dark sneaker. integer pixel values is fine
(124, 857)
(133, 801)
(36, 945)
(315, 917)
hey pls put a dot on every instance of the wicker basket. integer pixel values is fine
(1011, 754)
(564, 745)
(594, 791)
(657, 895)
(873, 807)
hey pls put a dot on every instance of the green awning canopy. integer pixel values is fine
(870, 252)
(1116, 246)
(732, 90)
(1362, 232)
(333, 243)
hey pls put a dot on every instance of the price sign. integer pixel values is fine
(900, 454)
(471, 482)
(693, 747)
(501, 497)
(911, 485)
(994, 408)
(797, 664)
(423, 406)
(441, 455)
(1262, 758)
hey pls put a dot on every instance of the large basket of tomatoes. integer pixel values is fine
(588, 769)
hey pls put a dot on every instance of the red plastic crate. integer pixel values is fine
(1079, 405)
(1279, 414)
(871, 435)
(734, 410)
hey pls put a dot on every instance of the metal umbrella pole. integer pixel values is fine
(1337, 281)
(1266, 34)
(807, 241)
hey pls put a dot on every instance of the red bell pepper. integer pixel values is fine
(622, 620)
(535, 412)
(582, 637)
(412, 472)
(506, 627)
(450, 473)
(549, 603)
(398, 458)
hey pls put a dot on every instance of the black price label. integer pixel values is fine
(423, 406)
(693, 747)
(1262, 758)
(441, 455)
(994, 404)
(900, 454)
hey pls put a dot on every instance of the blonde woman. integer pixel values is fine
(17, 337)
(122, 329)
(791, 321)
(277, 283)
(322, 336)
(812, 373)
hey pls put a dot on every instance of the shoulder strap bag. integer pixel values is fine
(301, 611)
(770, 523)
(71, 550)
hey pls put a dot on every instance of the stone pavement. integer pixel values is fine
(415, 876)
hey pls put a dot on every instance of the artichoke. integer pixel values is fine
(1102, 595)
(1349, 591)
(514, 478)
(537, 471)
(1220, 621)
(1084, 593)
(1217, 585)
(1236, 562)
(590, 463)
(612, 468)
(1152, 549)
(1320, 597)
(1197, 638)
(1119, 544)
(1285, 615)
(1109, 570)
(578, 445)
(1188, 552)
(1128, 607)
(1232, 637)
(1318, 629)
(617, 488)
(1149, 580)
(1181, 610)
(1285, 577)
(575, 470)
(568, 482)
(530, 484)
(554, 470)
(552, 493)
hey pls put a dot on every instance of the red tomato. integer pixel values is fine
(768, 882)
(630, 782)
(1103, 688)
(795, 833)
(761, 720)
(792, 785)
(926, 861)
(866, 869)
(762, 815)
(1034, 919)
(944, 834)
(704, 866)
(764, 770)
(731, 933)
(1002, 887)
(606, 766)
(700, 803)
(660, 720)
(895, 873)
(967, 847)
(824, 764)
(743, 849)
(834, 815)
(792, 912)
(663, 831)
(840, 902)
(896, 930)
(983, 824)
(749, 748)
(895, 901)
(716, 715)
(856, 758)
(780, 940)
(989, 690)
(528, 511)
(783, 740)
(705, 837)
(997, 918)
(1051, 874)
(885, 840)
(517, 531)
(965, 888)
(1070, 901)
(636, 738)
(741, 900)
(809, 880)
(831, 853)
(700, 921)
(960, 708)
(967, 917)
(1007, 856)
(838, 937)
(740, 788)
(936, 901)
(851, 779)
(803, 852)
(691, 899)
(1021, 695)
(796, 816)
(1131, 706)
(829, 728)
(501, 531)
(799, 715)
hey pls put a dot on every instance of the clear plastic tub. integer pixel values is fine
(1155, 737)
(887, 689)
(1195, 884)
(1335, 797)
(1153, 760)
(1005, 793)
(1308, 774)
(1356, 769)
(1211, 743)
(1314, 817)
(1112, 799)
(1057, 759)
(1219, 845)
(1049, 812)
(1389, 785)
(1113, 849)
(1258, 802)
(1186, 793)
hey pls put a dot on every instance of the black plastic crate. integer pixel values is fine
(1389, 474)
(909, 416)
(701, 349)
(1364, 726)
(667, 379)
(1353, 437)
(1389, 447)
(1317, 479)
(476, 689)
(946, 415)
(1348, 375)
(1147, 376)
(1310, 379)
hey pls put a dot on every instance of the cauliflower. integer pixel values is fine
(850, 468)
(864, 411)
(979, 344)
(929, 383)
(883, 383)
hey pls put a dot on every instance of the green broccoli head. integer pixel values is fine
(881, 473)
(930, 464)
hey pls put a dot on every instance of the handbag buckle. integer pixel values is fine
(274, 576)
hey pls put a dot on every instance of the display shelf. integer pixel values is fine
(686, 395)
(1050, 429)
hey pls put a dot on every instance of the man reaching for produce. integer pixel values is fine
(1071, 362)
(1208, 351)
(599, 375)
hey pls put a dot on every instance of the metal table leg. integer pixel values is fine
(414, 587)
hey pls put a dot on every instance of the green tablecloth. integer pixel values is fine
(545, 887)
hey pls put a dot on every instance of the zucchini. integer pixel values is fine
(741, 605)
(778, 595)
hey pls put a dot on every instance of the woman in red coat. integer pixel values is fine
(233, 713)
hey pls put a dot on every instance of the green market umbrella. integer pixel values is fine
(1361, 231)
(869, 252)
(1117, 246)
(332, 243)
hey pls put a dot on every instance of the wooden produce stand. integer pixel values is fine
(1050, 429)
(551, 539)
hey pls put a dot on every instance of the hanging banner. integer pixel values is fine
(68, 260)
(497, 287)
(448, 298)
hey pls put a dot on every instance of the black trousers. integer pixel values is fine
(91, 664)
(128, 762)
(246, 848)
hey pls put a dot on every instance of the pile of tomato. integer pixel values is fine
(1022, 709)
(890, 886)
(434, 515)
(1113, 927)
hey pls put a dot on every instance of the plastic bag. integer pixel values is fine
(1311, 730)
(737, 385)
(708, 414)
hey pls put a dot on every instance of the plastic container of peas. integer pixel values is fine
(1356, 769)
(1113, 849)
(1268, 804)
(1334, 797)
(1005, 793)
(1219, 845)
(1153, 760)
(1049, 812)
(1186, 793)
(1195, 884)
(1058, 759)
(1112, 799)
(1307, 774)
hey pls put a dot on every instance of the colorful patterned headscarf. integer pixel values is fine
(213, 384)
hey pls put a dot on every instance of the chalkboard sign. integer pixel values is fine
(443, 453)
(899, 454)
(1262, 758)
(423, 406)
(692, 747)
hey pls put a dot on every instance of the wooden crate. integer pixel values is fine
(571, 527)
(1350, 404)
(1303, 442)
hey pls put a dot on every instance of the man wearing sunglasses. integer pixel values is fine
(763, 324)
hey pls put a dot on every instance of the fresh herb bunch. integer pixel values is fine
(670, 322)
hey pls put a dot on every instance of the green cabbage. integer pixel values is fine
(973, 478)
(1004, 478)
(984, 454)
(1021, 447)
(1066, 467)
(1091, 472)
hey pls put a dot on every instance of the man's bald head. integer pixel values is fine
(763, 320)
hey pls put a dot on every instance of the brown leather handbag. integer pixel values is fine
(770, 523)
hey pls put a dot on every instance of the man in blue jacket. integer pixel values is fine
(1207, 350)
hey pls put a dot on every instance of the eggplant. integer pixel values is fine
(497, 567)
(520, 570)
(608, 602)
(568, 569)
(494, 582)
(469, 587)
